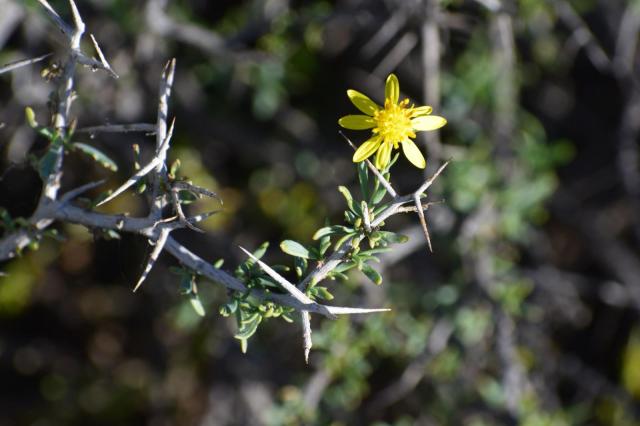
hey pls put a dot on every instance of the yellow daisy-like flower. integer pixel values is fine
(393, 125)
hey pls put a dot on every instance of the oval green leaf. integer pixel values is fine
(372, 274)
(97, 155)
(294, 248)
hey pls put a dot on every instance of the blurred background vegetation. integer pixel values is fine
(526, 312)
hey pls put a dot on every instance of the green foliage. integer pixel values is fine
(295, 249)
(250, 311)
(96, 155)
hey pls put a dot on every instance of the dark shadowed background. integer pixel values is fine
(527, 311)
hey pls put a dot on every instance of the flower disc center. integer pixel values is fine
(394, 122)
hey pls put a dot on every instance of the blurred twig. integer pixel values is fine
(415, 371)
(610, 253)
(504, 61)
(430, 37)
(388, 29)
(627, 40)
(202, 38)
(581, 35)
(396, 55)
(628, 153)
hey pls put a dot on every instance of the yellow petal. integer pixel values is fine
(392, 89)
(357, 122)
(420, 111)
(428, 122)
(366, 149)
(384, 155)
(413, 154)
(362, 102)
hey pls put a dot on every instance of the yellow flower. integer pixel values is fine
(393, 125)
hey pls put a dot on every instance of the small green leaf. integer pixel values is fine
(345, 266)
(47, 163)
(342, 240)
(31, 117)
(260, 251)
(46, 132)
(376, 251)
(372, 242)
(173, 170)
(97, 155)
(347, 196)
(378, 195)
(325, 243)
(372, 274)
(245, 267)
(391, 163)
(136, 156)
(280, 268)
(322, 232)
(142, 186)
(390, 237)
(363, 178)
(249, 327)
(266, 282)
(294, 248)
(110, 234)
(349, 216)
(218, 263)
(339, 275)
(323, 293)
(379, 209)
(366, 258)
(301, 265)
(331, 230)
(197, 305)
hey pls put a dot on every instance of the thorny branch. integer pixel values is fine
(397, 206)
(155, 227)
(23, 63)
